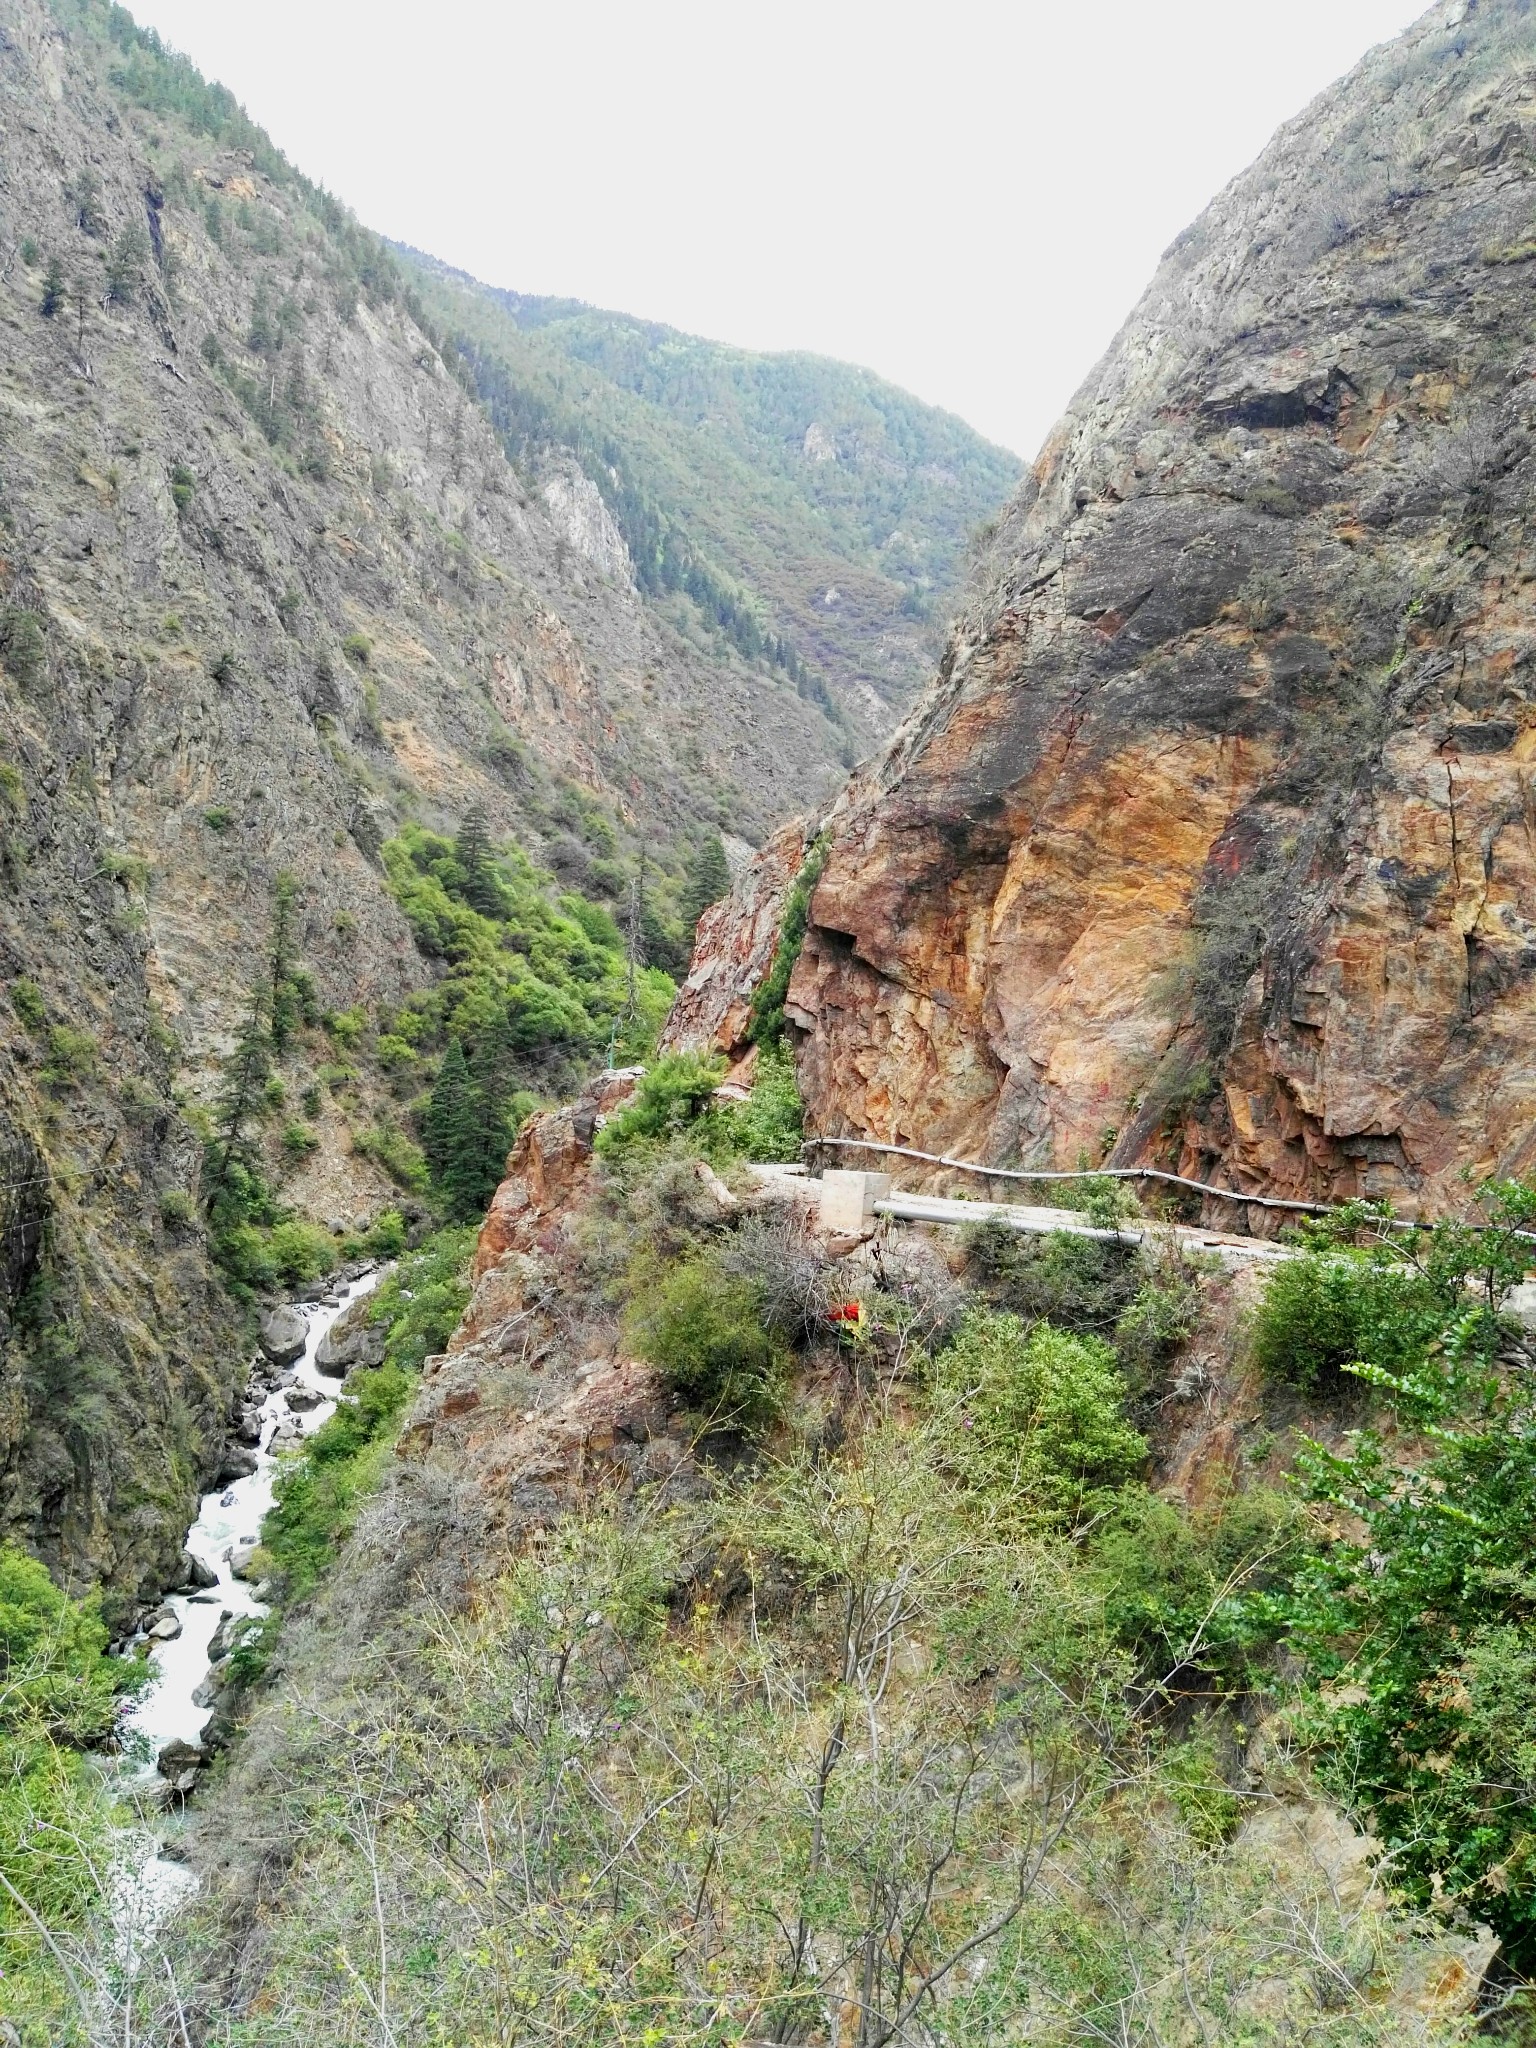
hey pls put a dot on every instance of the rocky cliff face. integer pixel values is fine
(269, 586)
(1214, 841)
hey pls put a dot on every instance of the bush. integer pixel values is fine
(702, 1329)
(27, 1002)
(669, 1097)
(423, 1299)
(71, 1057)
(767, 1024)
(177, 1209)
(1086, 1284)
(404, 1162)
(299, 1141)
(218, 818)
(1034, 1416)
(782, 1260)
(358, 649)
(1188, 1587)
(770, 1124)
(22, 645)
(1324, 1311)
(386, 1239)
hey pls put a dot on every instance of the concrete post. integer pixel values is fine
(848, 1202)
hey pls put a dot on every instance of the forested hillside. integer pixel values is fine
(795, 503)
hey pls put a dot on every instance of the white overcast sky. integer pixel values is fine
(966, 197)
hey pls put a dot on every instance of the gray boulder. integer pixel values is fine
(283, 1334)
(302, 1399)
(350, 1341)
(240, 1559)
(239, 1463)
(179, 1755)
(195, 1573)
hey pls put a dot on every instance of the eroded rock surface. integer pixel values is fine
(1214, 842)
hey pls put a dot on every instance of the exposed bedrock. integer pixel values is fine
(1214, 841)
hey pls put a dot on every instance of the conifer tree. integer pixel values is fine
(54, 288)
(287, 994)
(453, 1139)
(232, 1152)
(502, 1105)
(476, 857)
(707, 879)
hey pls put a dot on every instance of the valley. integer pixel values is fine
(768, 1195)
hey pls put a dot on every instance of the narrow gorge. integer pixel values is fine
(767, 1191)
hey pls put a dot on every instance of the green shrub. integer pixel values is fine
(1323, 1311)
(71, 1056)
(358, 649)
(177, 1209)
(668, 1098)
(770, 1124)
(183, 489)
(386, 1238)
(703, 1331)
(59, 1695)
(403, 1161)
(27, 1002)
(1206, 1803)
(23, 648)
(1034, 1416)
(299, 1141)
(346, 1027)
(1186, 1587)
(218, 818)
(1085, 1284)
(423, 1299)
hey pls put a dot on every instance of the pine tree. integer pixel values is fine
(453, 1137)
(501, 1104)
(706, 880)
(54, 288)
(287, 992)
(232, 1152)
(476, 858)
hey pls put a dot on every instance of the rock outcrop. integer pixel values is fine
(1214, 842)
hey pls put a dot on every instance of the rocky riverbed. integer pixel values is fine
(176, 1725)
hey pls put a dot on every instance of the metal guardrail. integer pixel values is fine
(1153, 1173)
(1176, 1180)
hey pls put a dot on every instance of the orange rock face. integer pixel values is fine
(733, 950)
(1213, 844)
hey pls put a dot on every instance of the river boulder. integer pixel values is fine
(283, 1334)
(238, 1463)
(195, 1574)
(350, 1341)
(179, 1755)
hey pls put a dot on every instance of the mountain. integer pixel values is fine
(1211, 845)
(277, 612)
(778, 497)
(719, 1609)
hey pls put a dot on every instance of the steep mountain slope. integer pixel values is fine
(269, 590)
(784, 495)
(1213, 842)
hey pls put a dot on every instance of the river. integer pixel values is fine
(148, 1885)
